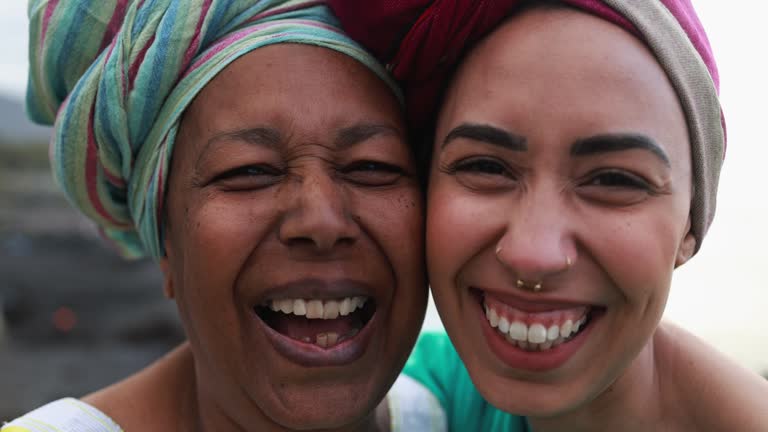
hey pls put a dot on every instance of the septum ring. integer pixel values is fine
(523, 284)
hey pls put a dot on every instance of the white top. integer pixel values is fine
(411, 408)
(63, 415)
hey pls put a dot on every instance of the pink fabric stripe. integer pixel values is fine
(134, 69)
(115, 180)
(683, 11)
(91, 174)
(49, 8)
(236, 36)
(271, 12)
(223, 43)
(114, 23)
(193, 46)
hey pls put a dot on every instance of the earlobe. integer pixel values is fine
(687, 246)
(165, 267)
(167, 278)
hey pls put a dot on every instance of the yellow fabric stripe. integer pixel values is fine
(90, 414)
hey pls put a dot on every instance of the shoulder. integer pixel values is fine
(435, 367)
(63, 415)
(435, 364)
(411, 407)
(711, 391)
(152, 398)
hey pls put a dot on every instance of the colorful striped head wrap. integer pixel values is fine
(421, 42)
(116, 75)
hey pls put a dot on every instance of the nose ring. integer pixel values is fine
(523, 284)
(568, 262)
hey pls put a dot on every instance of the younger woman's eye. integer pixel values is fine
(618, 179)
(248, 177)
(616, 188)
(483, 174)
(372, 173)
(481, 166)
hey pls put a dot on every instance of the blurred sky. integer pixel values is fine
(722, 294)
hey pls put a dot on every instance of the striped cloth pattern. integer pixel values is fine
(63, 415)
(114, 77)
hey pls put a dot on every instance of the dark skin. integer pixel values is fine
(290, 165)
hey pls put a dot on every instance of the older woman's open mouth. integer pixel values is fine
(318, 328)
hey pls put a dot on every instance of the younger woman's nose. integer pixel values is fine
(537, 242)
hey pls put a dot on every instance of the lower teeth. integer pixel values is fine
(330, 339)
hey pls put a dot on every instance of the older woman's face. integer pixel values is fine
(294, 238)
(561, 158)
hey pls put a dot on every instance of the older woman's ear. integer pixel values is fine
(167, 276)
(687, 246)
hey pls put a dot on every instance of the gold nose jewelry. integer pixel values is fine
(534, 287)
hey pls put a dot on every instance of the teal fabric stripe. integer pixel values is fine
(134, 127)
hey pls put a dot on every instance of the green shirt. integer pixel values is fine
(435, 364)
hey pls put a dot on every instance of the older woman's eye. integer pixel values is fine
(372, 173)
(248, 177)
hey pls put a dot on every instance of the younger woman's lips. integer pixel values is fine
(531, 361)
(311, 355)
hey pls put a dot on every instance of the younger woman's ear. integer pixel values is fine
(687, 246)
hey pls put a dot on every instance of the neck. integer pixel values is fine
(244, 415)
(633, 399)
(216, 419)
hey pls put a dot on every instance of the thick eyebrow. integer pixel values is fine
(487, 134)
(261, 136)
(355, 134)
(617, 142)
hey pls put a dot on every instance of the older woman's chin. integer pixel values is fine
(325, 388)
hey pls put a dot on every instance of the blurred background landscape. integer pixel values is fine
(75, 317)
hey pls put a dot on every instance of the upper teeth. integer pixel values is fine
(535, 335)
(317, 309)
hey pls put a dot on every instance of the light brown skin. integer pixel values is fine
(554, 76)
(319, 213)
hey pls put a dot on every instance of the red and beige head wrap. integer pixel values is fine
(421, 42)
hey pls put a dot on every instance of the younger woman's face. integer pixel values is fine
(558, 208)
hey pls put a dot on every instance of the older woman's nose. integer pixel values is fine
(318, 217)
(537, 241)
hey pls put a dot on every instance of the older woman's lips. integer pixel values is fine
(311, 329)
(535, 335)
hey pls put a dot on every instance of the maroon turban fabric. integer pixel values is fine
(422, 41)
